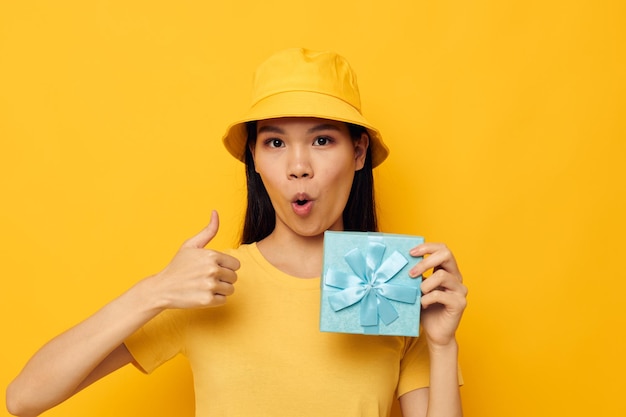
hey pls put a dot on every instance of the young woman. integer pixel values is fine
(309, 156)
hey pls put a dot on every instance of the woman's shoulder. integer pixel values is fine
(242, 251)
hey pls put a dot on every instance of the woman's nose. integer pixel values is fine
(299, 164)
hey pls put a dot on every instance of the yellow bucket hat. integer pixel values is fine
(303, 83)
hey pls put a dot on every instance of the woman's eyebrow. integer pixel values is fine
(324, 126)
(270, 129)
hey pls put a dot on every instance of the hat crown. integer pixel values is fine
(299, 82)
(300, 69)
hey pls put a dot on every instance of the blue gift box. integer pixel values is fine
(365, 284)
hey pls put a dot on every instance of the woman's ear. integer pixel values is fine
(360, 150)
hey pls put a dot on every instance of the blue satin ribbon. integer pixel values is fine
(369, 285)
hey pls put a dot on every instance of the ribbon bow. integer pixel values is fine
(369, 284)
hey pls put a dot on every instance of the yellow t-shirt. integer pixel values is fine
(262, 353)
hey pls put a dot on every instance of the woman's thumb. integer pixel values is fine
(205, 235)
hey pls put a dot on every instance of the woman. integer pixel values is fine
(309, 156)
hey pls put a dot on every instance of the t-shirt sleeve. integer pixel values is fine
(157, 341)
(415, 367)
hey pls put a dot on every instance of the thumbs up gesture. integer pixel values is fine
(197, 277)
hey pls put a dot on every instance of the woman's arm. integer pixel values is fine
(195, 278)
(79, 356)
(442, 398)
(443, 303)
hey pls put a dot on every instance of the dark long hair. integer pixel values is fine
(260, 219)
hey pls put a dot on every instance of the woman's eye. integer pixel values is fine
(274, 143)
(322, 140)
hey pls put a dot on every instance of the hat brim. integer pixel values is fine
(301, 104)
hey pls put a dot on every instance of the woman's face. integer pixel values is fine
(307, 166)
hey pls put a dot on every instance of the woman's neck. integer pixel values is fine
(299, 256)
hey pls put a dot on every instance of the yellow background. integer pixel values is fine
(506, 122)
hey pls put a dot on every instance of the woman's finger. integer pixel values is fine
(451, 300)
(442, 280)
(226, 275)
(439, 256)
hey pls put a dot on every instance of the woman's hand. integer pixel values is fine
(196, 277)
(443, 293)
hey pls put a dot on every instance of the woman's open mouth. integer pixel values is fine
(302, 206)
